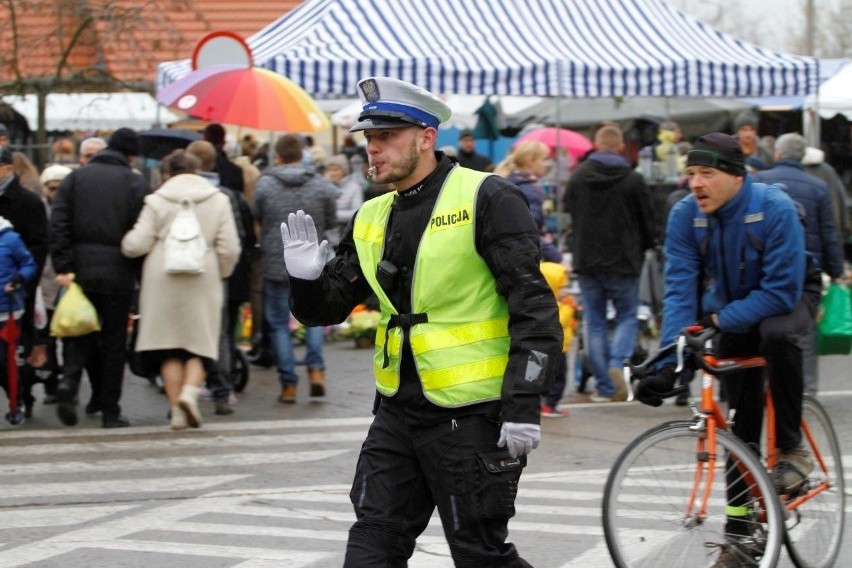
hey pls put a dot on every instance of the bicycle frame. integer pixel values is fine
(709, 417)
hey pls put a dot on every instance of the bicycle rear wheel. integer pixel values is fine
(648, 491)
(815, 528)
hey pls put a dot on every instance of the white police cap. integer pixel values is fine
(391, 103)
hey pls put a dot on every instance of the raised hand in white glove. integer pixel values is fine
(304, 255)
(519, 438)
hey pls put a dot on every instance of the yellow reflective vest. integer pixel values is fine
(461, 351)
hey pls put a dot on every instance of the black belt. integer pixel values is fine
(405, 321)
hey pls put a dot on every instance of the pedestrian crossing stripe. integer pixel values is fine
(241, 459)
(563, 503)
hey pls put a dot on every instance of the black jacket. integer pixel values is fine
(25, 210)
(507, 239)
(611, 217)
(230, 174)
(93, 209)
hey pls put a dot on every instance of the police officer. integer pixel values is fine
(468, 339)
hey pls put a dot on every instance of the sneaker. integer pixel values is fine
(177, 418)
(223, 409)
(15, 418)
(791, 470)
(617, 376)
(188, 401)
(552, 412)
(288, 394)
(734, 554)
(599, 398)
(317, 379)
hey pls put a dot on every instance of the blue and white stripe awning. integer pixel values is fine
(573, 48)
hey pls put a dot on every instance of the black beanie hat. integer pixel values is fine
(720, 151)
(215, 134)
(126, 141)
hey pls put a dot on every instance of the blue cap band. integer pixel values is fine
(418, 115)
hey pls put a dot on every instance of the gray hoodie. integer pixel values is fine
(282, 190)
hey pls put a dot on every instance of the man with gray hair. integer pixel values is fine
(89, 147)
(821, 239)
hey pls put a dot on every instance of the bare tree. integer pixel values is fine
(826, 32)
(724, 15)
(86, 46)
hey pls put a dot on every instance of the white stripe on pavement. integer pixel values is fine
(283, 424)
(148, 464)
(109, 486)
(12, 518)
(220, 443)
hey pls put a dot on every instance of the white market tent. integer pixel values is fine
(564, 48)
(834, 96)
(93, 111)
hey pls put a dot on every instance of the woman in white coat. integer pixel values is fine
(180, 314)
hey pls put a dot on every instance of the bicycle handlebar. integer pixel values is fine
(695, 338)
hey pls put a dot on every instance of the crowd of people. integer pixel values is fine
(467, 369)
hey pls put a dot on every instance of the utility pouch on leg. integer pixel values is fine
(498, 487)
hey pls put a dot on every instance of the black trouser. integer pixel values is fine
(777, 339)
(557, 387)
(219, 380)
(101, 354)
(403, 473)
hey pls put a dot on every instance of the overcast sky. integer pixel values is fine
(769, 20)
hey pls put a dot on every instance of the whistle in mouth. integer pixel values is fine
(371, 171)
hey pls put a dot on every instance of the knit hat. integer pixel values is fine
(720, 151)
(126, 141)
(56, 172)
(215, 134)
(746, 118)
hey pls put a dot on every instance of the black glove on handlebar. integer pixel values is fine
(653, 389)
(707, 322)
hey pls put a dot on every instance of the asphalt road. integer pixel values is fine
(268, 486)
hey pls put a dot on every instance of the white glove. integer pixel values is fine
(304, 256)
(519, 438)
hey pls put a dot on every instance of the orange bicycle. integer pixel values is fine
(668, 494)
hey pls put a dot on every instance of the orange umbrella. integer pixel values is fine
(245, 96)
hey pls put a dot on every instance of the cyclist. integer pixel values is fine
(736, 262)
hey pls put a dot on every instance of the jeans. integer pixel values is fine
(602, 352)
(276, 310)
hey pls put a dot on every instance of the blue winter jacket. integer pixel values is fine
(821, 238)
(743, 285)
(15, 259)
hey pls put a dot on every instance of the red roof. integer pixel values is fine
(122, 39)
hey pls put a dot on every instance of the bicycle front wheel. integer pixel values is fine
(651, 506)
(815, 527)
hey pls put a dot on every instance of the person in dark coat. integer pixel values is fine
(230, 174)
(25, 211)
(613, 227)
(467, 156)
(821, 238)
(93, 209)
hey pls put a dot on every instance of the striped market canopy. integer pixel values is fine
(570, 48)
